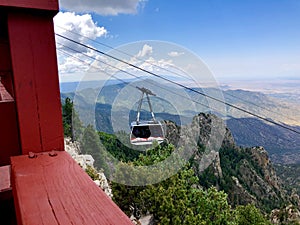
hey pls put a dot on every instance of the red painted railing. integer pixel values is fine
(48, 186)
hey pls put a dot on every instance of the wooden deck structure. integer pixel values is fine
(39, 182)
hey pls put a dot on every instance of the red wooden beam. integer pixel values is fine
(33, 4)
(48, 188)
(9, 138)
(55, 190)
(36, 85)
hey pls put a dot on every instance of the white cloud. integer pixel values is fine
(144, 59)
(175, 54)
(77, 27)
(80, 28)
(71, 65)
(103, 7)
(72, 62)
(146, 51)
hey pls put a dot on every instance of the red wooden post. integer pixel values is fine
(35, 75)
(51, 5)
(48, 187)
(9, 134)
(36, 82)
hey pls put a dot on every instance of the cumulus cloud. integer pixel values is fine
(77, 27)
(71, 65)
(146, 51)
(71, 62)
(175, 54)
(80, 28)
(156, 65)
(103, 7)
(145, 59)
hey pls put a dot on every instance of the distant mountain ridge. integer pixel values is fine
(278, 141)
(268, 106)
(271, 106)
(282, 144)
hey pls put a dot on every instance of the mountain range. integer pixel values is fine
(281, 144)
(251, 165)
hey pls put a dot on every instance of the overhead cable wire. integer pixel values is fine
(173, 72)
(125, 53)
(180, 85)
(259, 106)
(90, 64)
(124, 71)
(128, 83)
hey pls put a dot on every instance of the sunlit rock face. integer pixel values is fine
(87, 161)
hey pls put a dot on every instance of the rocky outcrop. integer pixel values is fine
(241, 194)
(261, 157)
(213, 129)
(172, 132)
(144, 220)
(287, 215)
(262, 183)
(73, 148)
(87, 162)
(246, 174)
(103, 184)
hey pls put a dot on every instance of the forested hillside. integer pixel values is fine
(240, 185)
(281, 144)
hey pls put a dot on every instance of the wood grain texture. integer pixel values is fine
(36, 85)
(32, 4)
(55, 190)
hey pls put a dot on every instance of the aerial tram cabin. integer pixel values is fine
(146, 132)
(39, 182)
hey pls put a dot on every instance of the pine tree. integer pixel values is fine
(73, 127)
(90, 144)
(67, 110)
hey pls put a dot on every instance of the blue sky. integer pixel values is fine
(210, 25)
(248, 39)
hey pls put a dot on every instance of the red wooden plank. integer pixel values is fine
(55, 190)
(34, 4)
(35, 75)
(5, 184)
